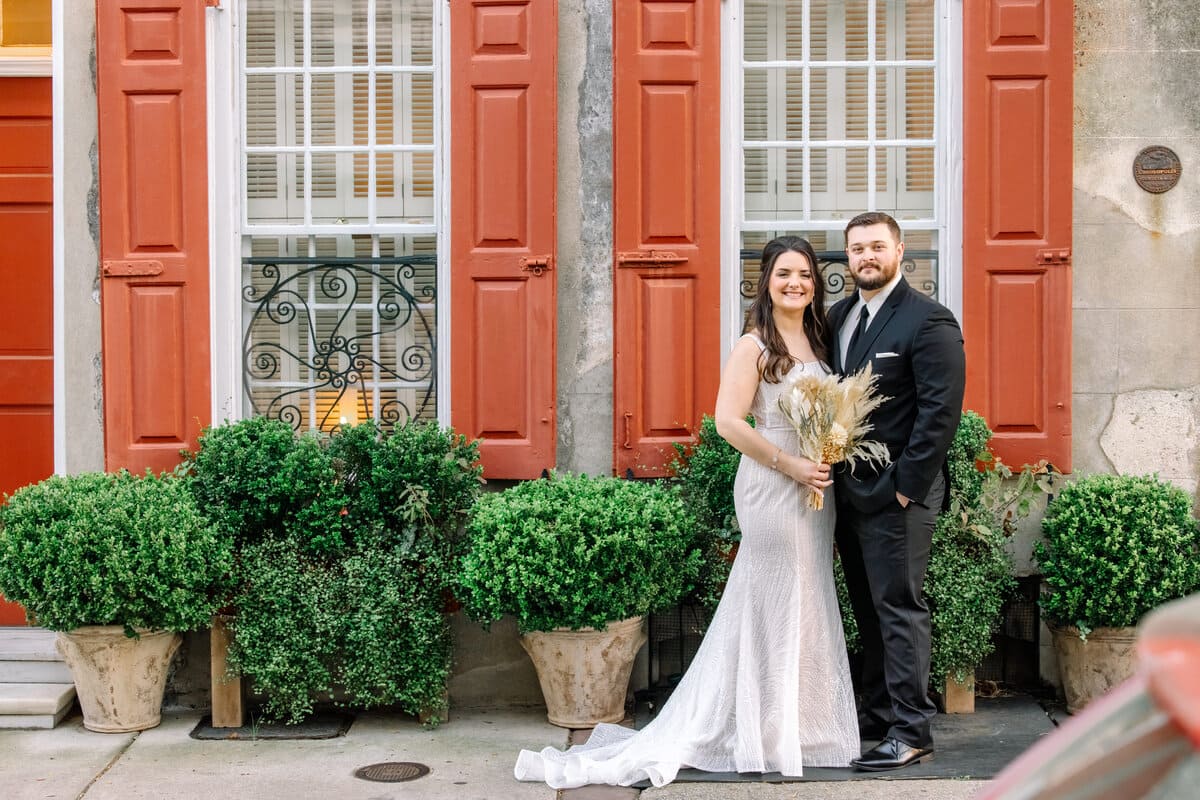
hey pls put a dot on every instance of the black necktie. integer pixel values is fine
(863, 317)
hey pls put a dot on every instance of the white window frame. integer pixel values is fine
(947, 143)
(228, 223)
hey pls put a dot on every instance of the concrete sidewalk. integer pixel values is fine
(470, 758)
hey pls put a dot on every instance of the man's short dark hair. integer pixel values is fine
(869, 218)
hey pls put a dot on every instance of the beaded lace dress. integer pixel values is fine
(769, 689)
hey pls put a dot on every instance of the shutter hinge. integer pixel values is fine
(650, 258)
(212, 3)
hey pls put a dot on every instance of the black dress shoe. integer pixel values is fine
(890, 754)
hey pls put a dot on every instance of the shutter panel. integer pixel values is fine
(667, 185)
(26, 304)
(1017, 224)
(502, 284)
(153, 229)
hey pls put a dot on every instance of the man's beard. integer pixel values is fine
(877, 281)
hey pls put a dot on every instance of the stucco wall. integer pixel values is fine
(84, 403)
(585, 221)
(1136, 293)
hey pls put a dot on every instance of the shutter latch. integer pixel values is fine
(130, 269)
(1052, 257)
(537, 264)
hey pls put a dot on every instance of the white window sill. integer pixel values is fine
(25, 62)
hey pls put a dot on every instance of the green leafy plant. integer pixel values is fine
(1116, 546)
(573, 551)
(112, 549)
(969, 578)
(704, 475)
(256, 479)
(341, 594)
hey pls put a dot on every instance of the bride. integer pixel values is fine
(769, 689)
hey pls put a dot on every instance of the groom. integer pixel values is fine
(885, 516)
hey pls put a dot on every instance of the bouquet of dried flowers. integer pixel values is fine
(830, 417)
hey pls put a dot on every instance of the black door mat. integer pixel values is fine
(322, 725)
(975, 746)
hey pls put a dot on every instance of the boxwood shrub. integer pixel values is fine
(573, 551)
(1116, 547)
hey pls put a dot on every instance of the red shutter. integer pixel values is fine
(26, 297)
(153, 229)
(1017, 224)
(502, 272)
(667, 187)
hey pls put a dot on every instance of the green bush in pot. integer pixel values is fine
(112, 549)
(579, 562)
(118, 564)
(572, 551)
(1116, 547)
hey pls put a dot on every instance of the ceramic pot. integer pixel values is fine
(119, 680)
(584, 674)
(1090, 668)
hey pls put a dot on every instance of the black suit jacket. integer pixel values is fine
(915, 346)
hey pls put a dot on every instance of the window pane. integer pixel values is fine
(353, 111)
(842, 106)
(337, 338)
(339, 328)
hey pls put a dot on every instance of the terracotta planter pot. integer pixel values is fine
(120, 681)
(960, 695)
(1089, 669)
(584, 674)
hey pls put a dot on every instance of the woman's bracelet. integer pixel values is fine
(775, 461)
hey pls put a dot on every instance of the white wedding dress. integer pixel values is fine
(769, 689)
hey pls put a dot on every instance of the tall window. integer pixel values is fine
(839, 115)
(340, 154)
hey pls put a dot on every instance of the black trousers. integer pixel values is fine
(884, 555)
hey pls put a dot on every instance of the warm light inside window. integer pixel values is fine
(25, 23)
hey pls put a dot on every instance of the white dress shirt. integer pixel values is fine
(873, 306)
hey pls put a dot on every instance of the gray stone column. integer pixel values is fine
(84, 400)
(585, 243)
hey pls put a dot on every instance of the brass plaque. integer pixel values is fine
(1156, 169)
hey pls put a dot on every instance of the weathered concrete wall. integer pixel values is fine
(81, 233)
(1137, 289)
(1136, 310)
(585, 245)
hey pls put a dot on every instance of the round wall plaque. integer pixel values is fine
(1156, 169)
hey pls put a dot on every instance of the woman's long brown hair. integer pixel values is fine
(775, 361)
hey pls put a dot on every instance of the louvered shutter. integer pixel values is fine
(153, 229)
(1017, 106)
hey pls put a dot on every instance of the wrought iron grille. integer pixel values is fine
(335, 340)
(920, 267)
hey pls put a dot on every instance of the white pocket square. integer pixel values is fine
(888, 354)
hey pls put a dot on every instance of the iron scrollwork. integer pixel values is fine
(333, 360)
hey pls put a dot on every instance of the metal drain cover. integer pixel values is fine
(392, 771)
